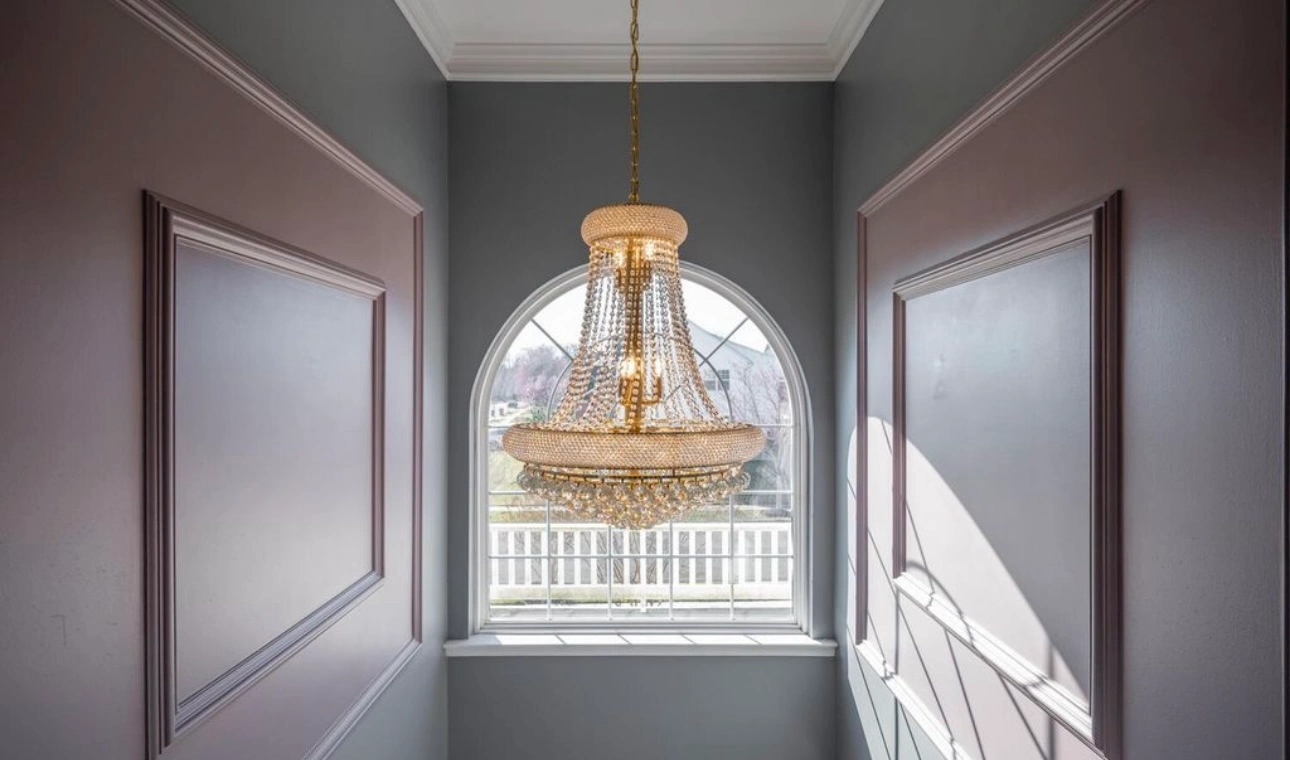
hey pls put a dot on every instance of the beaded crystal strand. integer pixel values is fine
(636, 440)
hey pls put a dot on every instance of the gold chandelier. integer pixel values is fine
(636, 440)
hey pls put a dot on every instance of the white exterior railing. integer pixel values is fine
(578, 555)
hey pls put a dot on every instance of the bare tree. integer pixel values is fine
(759, 394)
(529, 377)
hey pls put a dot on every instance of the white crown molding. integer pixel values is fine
(516, 62)
(608, 62)
(850, 29)
(430, 29)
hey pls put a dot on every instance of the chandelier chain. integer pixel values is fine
(636, 440)
(635, 196)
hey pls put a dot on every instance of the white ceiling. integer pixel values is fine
(681, 40)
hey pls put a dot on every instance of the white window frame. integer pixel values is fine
(802, 472)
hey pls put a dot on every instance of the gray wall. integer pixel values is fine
(642, 708)
(920, 66)
(1202, 409)
(360, 71)
(750, 167)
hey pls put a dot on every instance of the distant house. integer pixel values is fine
(746, 384)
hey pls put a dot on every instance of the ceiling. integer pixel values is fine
(681, 40)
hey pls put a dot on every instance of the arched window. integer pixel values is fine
(740, 562)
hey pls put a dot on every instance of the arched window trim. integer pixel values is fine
(802, 442)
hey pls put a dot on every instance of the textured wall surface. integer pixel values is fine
(1197, 151)
(749, 166)
(769, 176)
(641, 708)
(920, 66)
(97, 108)
(360, 71)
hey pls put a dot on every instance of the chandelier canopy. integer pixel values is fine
(636, 440)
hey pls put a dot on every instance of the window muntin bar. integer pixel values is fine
(538, 564)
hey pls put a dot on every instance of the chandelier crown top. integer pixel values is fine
(626, 221)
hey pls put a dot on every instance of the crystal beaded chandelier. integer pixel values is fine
(636, 440)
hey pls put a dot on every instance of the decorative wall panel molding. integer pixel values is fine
(1086, 235)
(1069, 421)
(350, 719)
(1102, 20)
(157, 16)
(178, 31)
(912, 706)
(234, 399)
(1093, 27)
(877, 593)
(186, 119)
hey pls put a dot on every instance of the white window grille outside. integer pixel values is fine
(735, 565)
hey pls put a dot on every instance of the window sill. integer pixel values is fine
(644, 644)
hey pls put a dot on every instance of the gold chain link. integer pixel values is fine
(635, 195)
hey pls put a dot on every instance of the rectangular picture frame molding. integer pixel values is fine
(1099, 722)
(166, 221)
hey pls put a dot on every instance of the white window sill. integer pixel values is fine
(644, 644)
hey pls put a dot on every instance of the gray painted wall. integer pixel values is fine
(921, 65)
(642, 708)
(1202, 265)
(750, 167)
(358, 69)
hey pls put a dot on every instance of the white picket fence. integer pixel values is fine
(689, 560)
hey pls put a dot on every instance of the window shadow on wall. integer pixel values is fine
(926, 694)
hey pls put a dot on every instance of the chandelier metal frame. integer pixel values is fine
(636, 440)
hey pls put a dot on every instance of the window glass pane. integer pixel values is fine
(502, 468)
(750, 336)
(515, 576)
(727, 562)
(771, 470)
(754, 381)
(702, 539)
(763, 611)
(580, 589)
(642, 588)
(656, 541)
(702, 588)
(508, 611)
(716, 513)
(562, 318)
(525, 385)
(709, 311)
(717, 383)
(578, 535)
